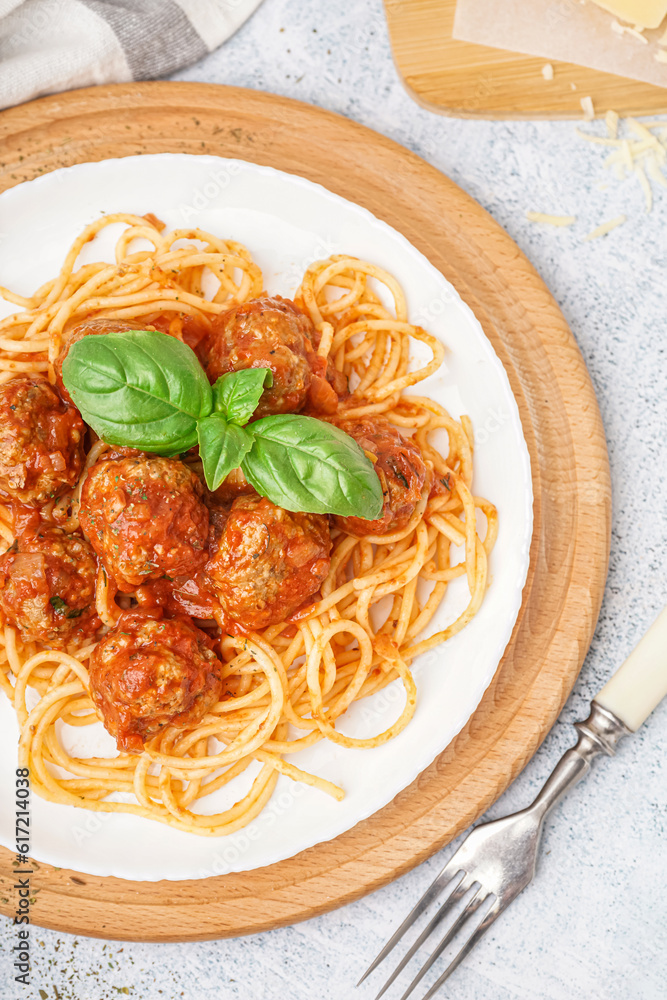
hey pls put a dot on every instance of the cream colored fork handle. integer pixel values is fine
(639, 684)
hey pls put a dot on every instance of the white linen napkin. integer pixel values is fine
(51, 45)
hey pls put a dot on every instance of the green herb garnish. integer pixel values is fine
(147, 390)
(62, 608)
(399, 475)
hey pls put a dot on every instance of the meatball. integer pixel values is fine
(264, 333)
(268, 561)
(145, 518)
(47, 586)
(191, 594)
(84, 329)
(150, 672)
(41, 441)
(400, 468)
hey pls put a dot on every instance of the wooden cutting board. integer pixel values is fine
(562, 427)
(475, 81)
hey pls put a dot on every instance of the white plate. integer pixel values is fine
(286, 222)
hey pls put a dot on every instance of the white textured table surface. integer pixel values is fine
(593, 925)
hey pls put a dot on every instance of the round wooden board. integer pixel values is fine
(562, 426)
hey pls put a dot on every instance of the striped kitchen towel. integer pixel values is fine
(51, 45)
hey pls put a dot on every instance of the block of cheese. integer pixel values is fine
(647, 13)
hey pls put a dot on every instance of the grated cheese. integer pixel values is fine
(604, 228)
(600, 140)
(643, 133)
(654, 171)
(643, 154)
(627, 154)
(551, 220)
(611, 121)
(661, 56)
(646, 187)
(548, 71)
(587, 108)
(625, 29)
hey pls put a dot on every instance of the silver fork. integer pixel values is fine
(497, 860)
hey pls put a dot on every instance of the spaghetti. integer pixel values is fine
(285, 687)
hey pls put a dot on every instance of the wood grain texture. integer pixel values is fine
(476, 81)
(562, 426)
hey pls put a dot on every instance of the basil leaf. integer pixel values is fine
(222, 447)
(237, 394)
(58, 605)
(304, 464)
(139, 388)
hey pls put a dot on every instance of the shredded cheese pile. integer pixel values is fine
(642, 152)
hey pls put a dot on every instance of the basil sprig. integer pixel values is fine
(147, 390)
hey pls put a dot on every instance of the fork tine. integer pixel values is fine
(438, 885)
(456, 893)
(467, 947)
(472, 906)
